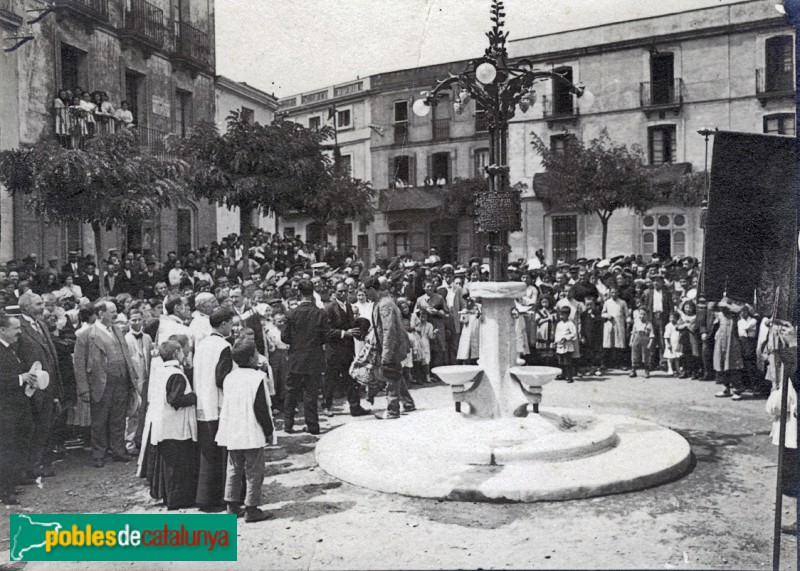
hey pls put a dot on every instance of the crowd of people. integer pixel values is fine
(81, 114)
(186, 364)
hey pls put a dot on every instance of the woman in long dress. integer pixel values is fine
(615, 313)
(469, 342)
(545, 320)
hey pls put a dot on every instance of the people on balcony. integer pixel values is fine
(124, 115)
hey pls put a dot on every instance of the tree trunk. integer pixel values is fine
(245, 230)
(604, 222)
(98, 255)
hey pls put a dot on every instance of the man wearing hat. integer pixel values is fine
(658, 303)
(51, 269)
(73, 266)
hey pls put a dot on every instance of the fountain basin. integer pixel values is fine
(457, 374)
(534, 376)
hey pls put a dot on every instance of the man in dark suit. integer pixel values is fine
(35, 344)
(306, 332)
(105, 375)
(73, 267)
(89, 282)
(129, 278)
(340, 352)
(16, 420)
(113, 280)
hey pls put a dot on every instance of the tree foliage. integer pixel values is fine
(597, 177)
(339, 197)
(111, 183)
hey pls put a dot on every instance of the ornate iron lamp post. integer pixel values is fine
(500, 87)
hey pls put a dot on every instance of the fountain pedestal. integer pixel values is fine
(497, 451)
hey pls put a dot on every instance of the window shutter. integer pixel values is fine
(391, 172)
(451, 169)
(429, 167)
(412, 169)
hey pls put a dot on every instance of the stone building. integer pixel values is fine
(657, 81)
(158, 56)
(416, 159)
(256, 106)
(346, 108)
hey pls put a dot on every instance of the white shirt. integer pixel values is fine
(658, 301)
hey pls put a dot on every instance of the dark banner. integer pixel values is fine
(751, 234)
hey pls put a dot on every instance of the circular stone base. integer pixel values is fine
(560, 454)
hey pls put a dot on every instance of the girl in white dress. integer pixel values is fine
(672, 344)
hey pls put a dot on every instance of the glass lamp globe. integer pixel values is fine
(486, 73)
(587, 99)
(421, 108)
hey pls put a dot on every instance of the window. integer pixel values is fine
(562, 96)
(440, 167)
(346, 164)
(184, 231)
(343, 119)
(344, 235)
(560, 143)
(780, 124)
(248, 115)
(442, 115)
(664, 233)
(481, 162)
(662, 144)
(314, 123)
(73, 68)
(71, 238)
(662, 78)
(183, 119)
(363, 248)
(400, 171)
(400, 244)
(565, 238)
(400, 121)
(133, 94)
(779, 63)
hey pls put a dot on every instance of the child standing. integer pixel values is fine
(425, 333)
(566, 336)
(672, 341)
(642, 336)
(245, 428)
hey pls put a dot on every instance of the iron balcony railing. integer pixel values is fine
(154, 141)
(657, 93)
(481, 123)
(145, 21)
(774, 82)
(441, 129)
(192, 44)
(92, 9)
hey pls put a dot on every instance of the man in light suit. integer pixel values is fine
(35, 344)
(105, 375)
(140, 346)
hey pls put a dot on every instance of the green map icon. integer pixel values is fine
(29, 535)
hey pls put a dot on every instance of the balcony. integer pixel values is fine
(400, 133)
(562, 109)
(774, 84)
(143, 23)
(90, 12)
(661, 96)
(192, 49)
(74, 128)
(441, 129)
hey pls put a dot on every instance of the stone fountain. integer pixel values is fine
(501, 446)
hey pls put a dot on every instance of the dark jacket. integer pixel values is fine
(16, 421)
(38, 346)
(306, 332)
(91, 289)
(340, 350)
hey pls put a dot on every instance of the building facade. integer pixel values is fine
(158, 56)
(415, 160)
(256, 106)
(346, 108)
(657, 81)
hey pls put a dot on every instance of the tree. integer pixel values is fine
(111, 183)
(599, 177)
(337, 197)
(254, 167)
